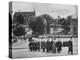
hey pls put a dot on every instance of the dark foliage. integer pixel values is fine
(19, 31)
(37, 26)
(49, 20)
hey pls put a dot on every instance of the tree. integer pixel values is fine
(37, 25)
(49, 20)
(64, 24)
(19, 31)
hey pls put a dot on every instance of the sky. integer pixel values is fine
(53, 10)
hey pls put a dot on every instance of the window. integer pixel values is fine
(74, 31)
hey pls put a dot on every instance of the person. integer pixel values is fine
(48, 46)
(31, 45)
(43, 46)
(59, 46)
(35, 46)
(53, 46)
(70, 50)
(38, 45)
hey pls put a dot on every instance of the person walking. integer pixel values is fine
(59, 46)
(53, 46)
(70, 50)
(48, 46)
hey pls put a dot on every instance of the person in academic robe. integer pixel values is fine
(31, 46)
(59, 46)
(70, 50)
(48, 46)
(53, 46)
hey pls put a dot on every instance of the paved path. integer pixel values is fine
(25, 53)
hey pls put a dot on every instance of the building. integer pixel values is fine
(26, 16)
(55, 28)
(74, 26)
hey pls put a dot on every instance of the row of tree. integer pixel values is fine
(39, 24)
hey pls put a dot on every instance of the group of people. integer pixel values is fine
(49, 46)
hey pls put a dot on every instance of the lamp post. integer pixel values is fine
(55, 28)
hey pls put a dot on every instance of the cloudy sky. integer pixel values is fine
(44, 8)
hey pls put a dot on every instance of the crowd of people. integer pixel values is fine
(49, 45)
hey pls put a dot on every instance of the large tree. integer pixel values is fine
(49, 20)
(19, 31)
(37, 25)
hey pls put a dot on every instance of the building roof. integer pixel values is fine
(24, 13)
